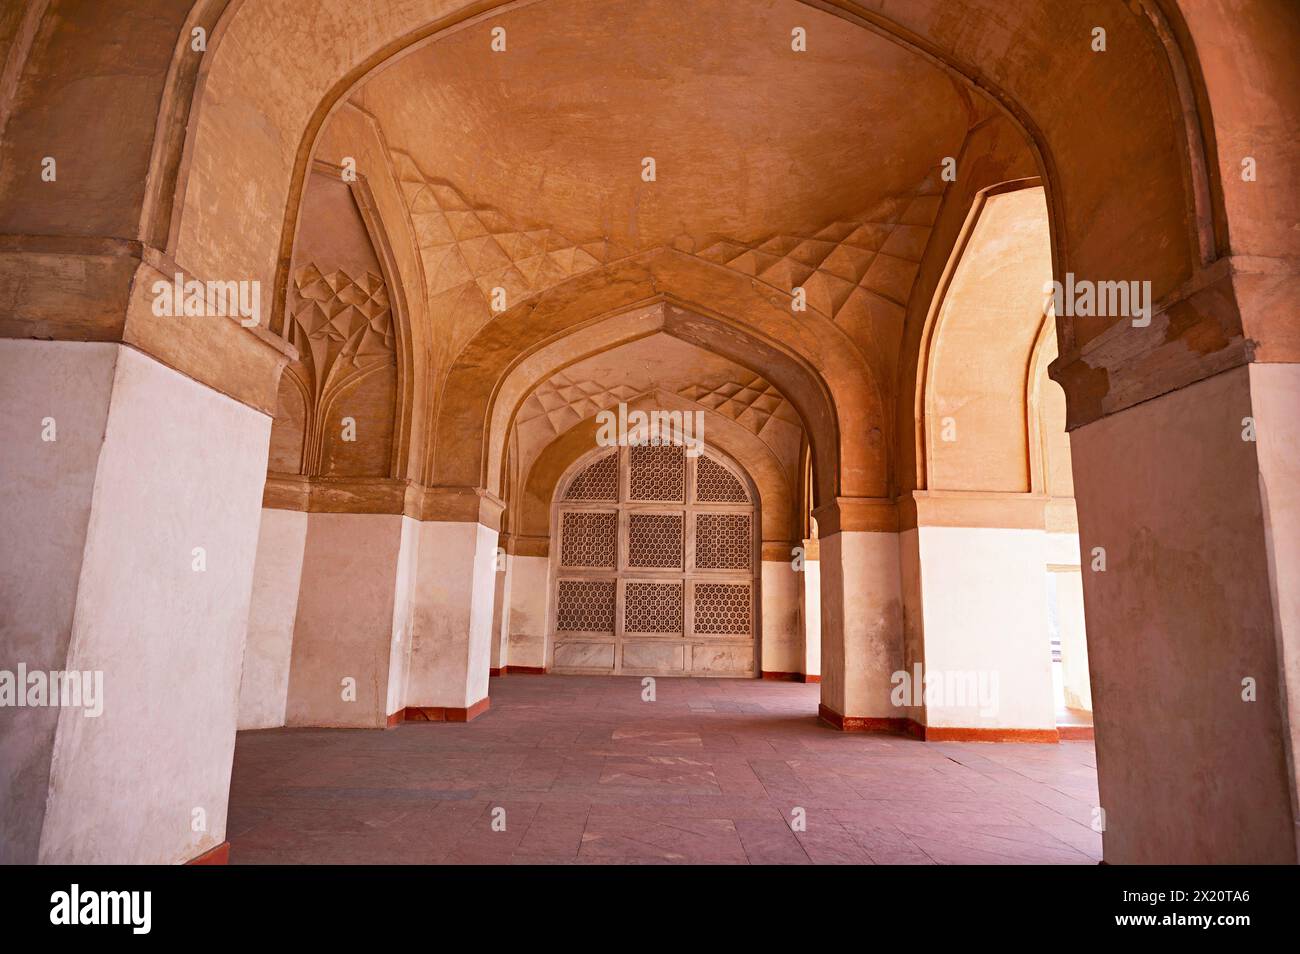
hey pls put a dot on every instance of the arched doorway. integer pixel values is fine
(655, 571)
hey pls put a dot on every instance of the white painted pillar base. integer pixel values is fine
(277, 576)
(984, 640)
(351, 629)
(455, 590)
(97, 574)
(782, 644)
(529, 593)
(862, 622)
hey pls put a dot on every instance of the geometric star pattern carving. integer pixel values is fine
(564, 401)
(340, 324)
(840, 266)
(463, 243)
(877, 253)
(749, 403)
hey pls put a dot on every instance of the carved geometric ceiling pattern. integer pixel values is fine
(467, 246)
(750, 403)
(878, 252)
(564, 402)
(463, 243)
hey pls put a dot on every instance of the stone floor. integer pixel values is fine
(713, 771)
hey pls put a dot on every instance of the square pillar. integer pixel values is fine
(530, 593)
(130, 541)
(861, 612)
(351, 631)
(979, 662)
(1190, 500)
(455, 594)
(811, 611)
(781, 648)
(277, 578)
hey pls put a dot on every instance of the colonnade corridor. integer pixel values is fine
(578, 770)
(617, 434)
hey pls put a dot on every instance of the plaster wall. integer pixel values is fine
(399, 650)
(345, 625)
(501, 614)
(909, 556)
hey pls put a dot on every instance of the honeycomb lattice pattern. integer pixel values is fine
(598, 481)
(655, 540)
(589, 539)
(652, 608)
(586, 606)
(715, 484)
(722, 541)
(722, 609)
(657, 473)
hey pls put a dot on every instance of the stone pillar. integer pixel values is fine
(811, 612)
(350, 635)
(455, 592)
(277, 578)
(129, 543)
(501, 609)
(530, 588)
(978, 638)
(1192, 623)
(781, 649)
(861, 612)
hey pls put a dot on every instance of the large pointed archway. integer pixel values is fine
(217, 151)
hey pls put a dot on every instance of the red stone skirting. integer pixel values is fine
(1075, 733)
(859, 723)
(789, 676)
(947, 733)
(522, 670)
(960, 734)
(219, 855)
(439, 713)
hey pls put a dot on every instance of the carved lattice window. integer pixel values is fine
(656, 566)
(598, 481)
(657, 473)
(722, 608)
(655, 540)
(585, 606)
(589, 539)
(653, 608)
(722, 541)
(714, 483)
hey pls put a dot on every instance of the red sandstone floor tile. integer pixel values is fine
(710, 773)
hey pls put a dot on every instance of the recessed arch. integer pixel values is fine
(1020, 95)
(809, 360)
